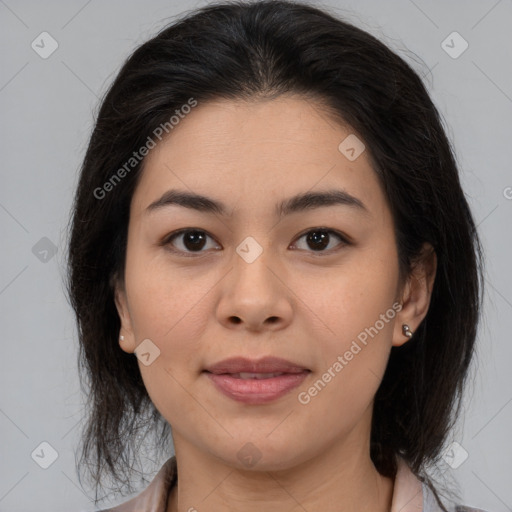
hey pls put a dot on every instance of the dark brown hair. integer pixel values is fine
(263, 49)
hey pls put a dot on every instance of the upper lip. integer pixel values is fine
(263, 365)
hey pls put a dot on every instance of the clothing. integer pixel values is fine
(409, 493)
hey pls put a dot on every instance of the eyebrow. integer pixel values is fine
(297, 203)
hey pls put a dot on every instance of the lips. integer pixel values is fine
(249, 375)
(256, 382)
(266, 365)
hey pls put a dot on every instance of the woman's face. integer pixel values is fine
(316, 285)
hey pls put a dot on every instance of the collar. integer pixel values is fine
(407, 491)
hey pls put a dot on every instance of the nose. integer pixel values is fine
(254, 296)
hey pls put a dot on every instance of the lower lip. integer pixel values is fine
(257, 391)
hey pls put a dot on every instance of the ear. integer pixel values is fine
(128, 343)
(416, 294)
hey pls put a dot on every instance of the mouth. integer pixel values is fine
(257, 376)
(265, 365)
(256, 382)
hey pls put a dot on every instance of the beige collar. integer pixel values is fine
(407, 491)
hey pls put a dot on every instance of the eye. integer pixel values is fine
(193, 241)
(319, 238)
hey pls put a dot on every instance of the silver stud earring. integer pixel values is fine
(121, 338)
(406, 330)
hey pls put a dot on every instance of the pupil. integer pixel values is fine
(322, 239)
(193, 240)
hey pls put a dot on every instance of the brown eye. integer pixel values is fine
(319, 239)
(191, 240)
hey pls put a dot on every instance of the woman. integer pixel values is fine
(269, 217)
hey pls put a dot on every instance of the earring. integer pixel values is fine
(121, 338)
(406, 330)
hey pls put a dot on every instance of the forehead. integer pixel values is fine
(247, 152)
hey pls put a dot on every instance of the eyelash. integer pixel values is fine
(191, 254)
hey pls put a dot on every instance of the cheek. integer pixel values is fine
(166, 302)
(170, 311)
(353, 352)
(354, 312)
(355, 293)
(173, 317)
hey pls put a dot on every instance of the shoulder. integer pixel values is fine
(412, 495)
(409, 493)
(154, 497)
(430, 504)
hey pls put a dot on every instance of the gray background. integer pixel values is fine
(47, 110)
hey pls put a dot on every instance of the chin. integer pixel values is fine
(261, 454)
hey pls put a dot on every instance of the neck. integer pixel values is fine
(335, 481)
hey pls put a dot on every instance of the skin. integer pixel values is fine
(304, 305)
